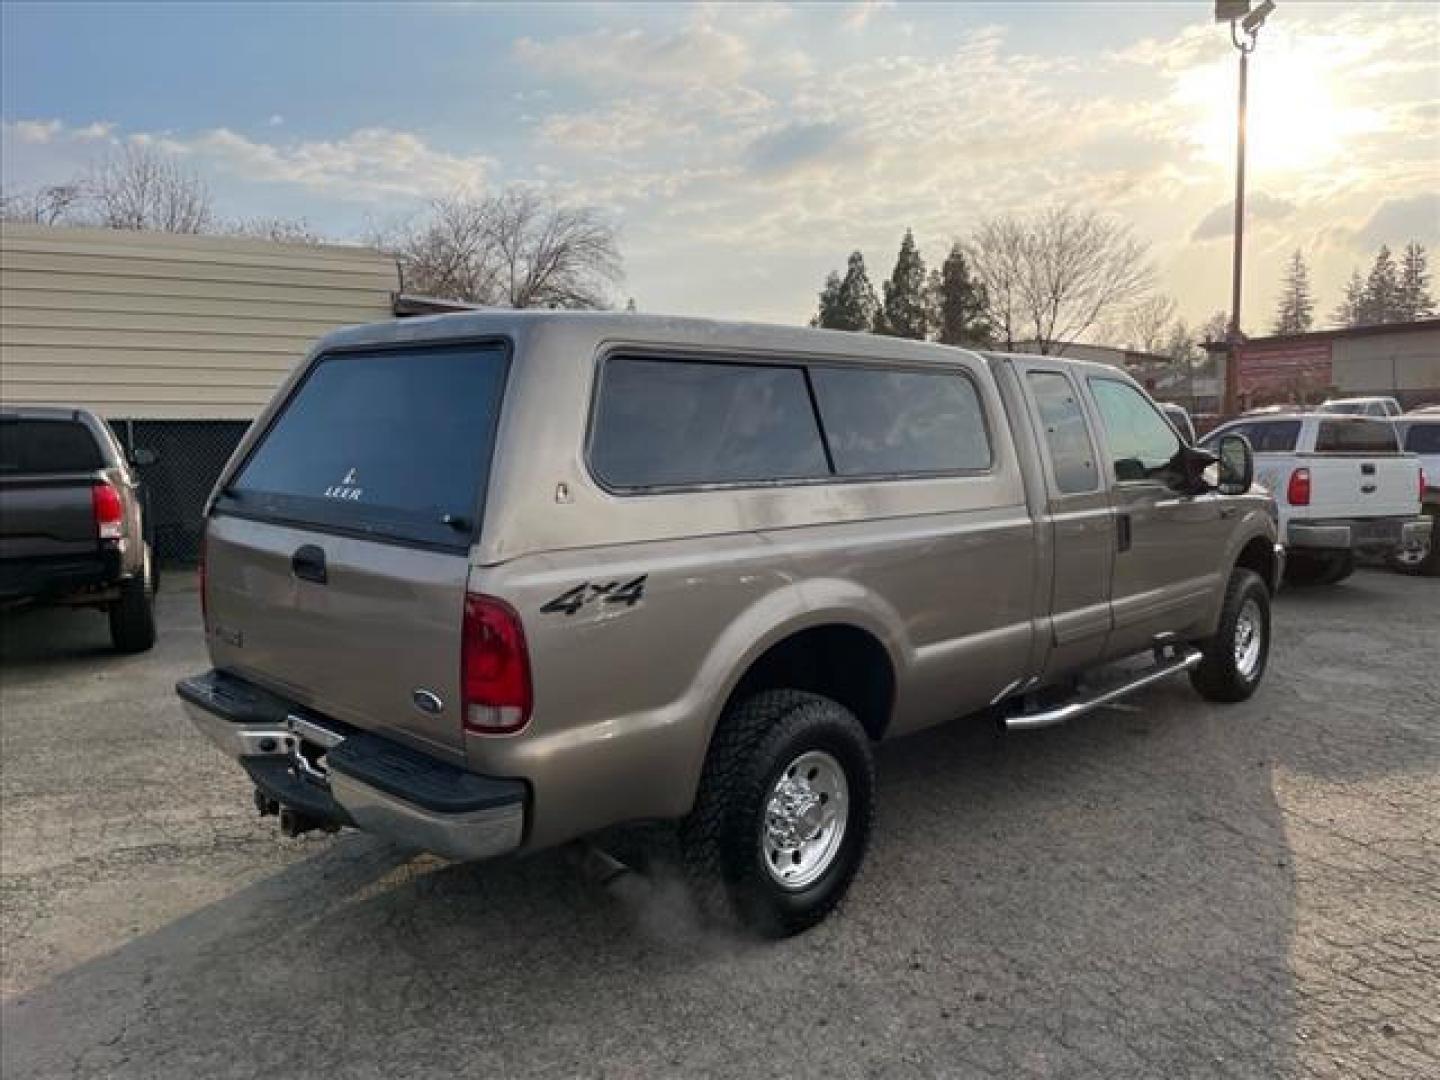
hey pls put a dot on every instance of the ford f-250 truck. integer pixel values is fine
(1344, 486)
(491, 582)
(72, 521)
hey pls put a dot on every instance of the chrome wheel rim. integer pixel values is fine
(1249, 637)
(806, 813)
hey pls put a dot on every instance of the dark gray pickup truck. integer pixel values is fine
(72, 522)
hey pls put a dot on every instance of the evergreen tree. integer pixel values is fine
(1381, 302)
(1296, 311)
(1415, 299)
(906, 312)
(959, 304)
(848, 303)
(1352, 307)
(829, 313)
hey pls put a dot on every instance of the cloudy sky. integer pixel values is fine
(744, 150)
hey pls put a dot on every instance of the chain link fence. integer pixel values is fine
(189, 455)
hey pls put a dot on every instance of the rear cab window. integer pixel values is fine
(47, 446)
(388, 443)
(1423, 439)
(1356, 437)
(1067, 434)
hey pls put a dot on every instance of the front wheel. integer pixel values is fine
(782, 818)
(1235, 657)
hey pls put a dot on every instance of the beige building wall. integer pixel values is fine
(159, 326)
(1387, 363)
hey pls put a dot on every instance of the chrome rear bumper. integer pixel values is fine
(356, 778)
(1383, 534)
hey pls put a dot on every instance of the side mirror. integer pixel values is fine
(143, 455)
(1237, 465)
(1189, 464)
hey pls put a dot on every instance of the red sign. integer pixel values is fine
(1284, 370)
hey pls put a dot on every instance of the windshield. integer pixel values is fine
(394, 443)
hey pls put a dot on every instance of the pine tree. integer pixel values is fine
(1352, 306)
(1296, 311)
(906, 311)
(848, 303)
(1415, 299)
(1381, 302)
(829, 312)
(959, 304)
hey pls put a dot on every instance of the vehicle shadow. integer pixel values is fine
(1111, 898)
(53, 636)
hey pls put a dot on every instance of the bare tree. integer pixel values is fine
(141, 187)
(1215, 329)
(519, 248)
(1148, 324)
(551, 255)
(448, 252)
(281, 230)
(49, 205)
(1054, 275)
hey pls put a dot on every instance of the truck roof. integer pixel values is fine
(45, 412)
(624, 326)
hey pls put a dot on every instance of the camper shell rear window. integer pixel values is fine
(392, 443)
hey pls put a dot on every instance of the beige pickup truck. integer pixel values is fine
(490, 582)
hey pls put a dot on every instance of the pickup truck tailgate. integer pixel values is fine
(1359, 471)
(46, 515)
(337, 555)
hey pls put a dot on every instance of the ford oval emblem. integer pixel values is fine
(427, 702)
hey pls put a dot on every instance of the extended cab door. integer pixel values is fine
(1168, 547)
(1081, 522)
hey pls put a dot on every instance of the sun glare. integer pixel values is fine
(1296, 122)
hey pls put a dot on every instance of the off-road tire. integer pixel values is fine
(132, 617)
(1219, 676)
(720, 840)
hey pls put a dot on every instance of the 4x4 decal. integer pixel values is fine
(610, 592)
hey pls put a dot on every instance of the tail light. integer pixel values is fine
(109, 511)
(1297, 493)
(494, 668)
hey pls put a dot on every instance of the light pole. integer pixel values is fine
(1244, 30)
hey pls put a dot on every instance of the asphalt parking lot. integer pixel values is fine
(1165, 889)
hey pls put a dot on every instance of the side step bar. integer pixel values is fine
(1028, 721)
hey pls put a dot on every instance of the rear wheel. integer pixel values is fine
(132, 617)
(1235, 657)
(782, 818)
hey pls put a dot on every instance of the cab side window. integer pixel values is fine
(1141, 442)
(1067, 435)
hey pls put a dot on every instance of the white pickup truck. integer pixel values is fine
(1343, 485)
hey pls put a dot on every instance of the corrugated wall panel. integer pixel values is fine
(151, 325)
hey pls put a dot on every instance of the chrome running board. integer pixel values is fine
(1163, 669)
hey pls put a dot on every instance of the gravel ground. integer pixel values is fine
(1164, 889)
